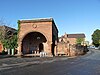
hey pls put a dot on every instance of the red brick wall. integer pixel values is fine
(72, 40)
(43, 27)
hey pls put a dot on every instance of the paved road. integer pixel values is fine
(85, 65)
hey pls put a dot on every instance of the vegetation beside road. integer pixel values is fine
(96, 38)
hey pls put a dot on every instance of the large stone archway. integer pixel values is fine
(33, 43)
(37, 35)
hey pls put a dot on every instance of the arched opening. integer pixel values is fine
(41, 47)
(33, 43)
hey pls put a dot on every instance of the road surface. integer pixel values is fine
(88, 64)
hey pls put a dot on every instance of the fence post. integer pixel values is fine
(12, 51)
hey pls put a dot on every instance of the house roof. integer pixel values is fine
(36, 20)
(4, 27)
(76, 35)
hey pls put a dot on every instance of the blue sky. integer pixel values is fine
(71, 16)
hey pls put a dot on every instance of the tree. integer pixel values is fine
(79, 40)
(96, 37)
(2, 21)
(9, 42)
(13, 41)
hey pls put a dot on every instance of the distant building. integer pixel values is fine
(67, 42)
(5, 31)
(62, 46)
(72, 38)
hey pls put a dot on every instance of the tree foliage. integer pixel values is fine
(8, 38)
(79, 40)
(13, 41)
(9, 42)
(18, 25)
(96, 37)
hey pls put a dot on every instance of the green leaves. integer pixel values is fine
(18, 25)
(79, 40)
(9, 42)
(96, 37)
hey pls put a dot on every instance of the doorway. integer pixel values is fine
(41, 47)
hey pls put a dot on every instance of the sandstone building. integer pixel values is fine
(37, 35)
(72, 38)
(67, 42)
